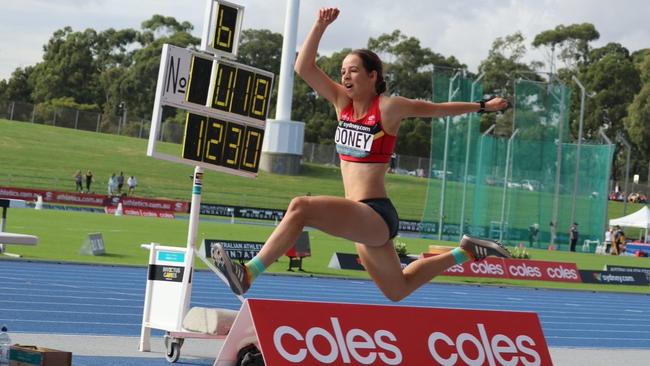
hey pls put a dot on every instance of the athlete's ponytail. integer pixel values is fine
(372, 62)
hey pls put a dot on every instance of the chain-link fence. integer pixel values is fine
(528, 187)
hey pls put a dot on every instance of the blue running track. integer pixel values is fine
(39, 297)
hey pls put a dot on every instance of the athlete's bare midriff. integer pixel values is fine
(363, 180)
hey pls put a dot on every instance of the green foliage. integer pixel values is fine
(520, 252)
(407, 66)
(572, 41)
(639, 114)
(400, 247)
(19, 87)
(69, 68)
(615, 80)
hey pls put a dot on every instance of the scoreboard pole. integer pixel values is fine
(195, 210)
(226, 105)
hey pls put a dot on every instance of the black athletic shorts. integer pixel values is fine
(384, 207)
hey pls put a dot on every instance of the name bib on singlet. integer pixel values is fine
(353, 139)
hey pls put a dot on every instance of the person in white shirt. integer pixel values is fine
(132, 183)
(608, 239)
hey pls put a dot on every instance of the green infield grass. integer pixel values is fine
(63, 233)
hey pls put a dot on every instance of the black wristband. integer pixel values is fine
(481, 108)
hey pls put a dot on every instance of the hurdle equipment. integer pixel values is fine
(13, 238)
(315, 333)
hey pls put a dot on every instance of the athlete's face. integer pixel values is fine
(356, 80)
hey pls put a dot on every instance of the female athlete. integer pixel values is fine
(365, 139)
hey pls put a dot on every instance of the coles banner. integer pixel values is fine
(311, 333)
(518, 269)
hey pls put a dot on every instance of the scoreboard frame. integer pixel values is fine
(175, 87)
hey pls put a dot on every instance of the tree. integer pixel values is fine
(572, 43)
(137, 85)
(19, 87)
(408, 66)
(502, 66)
(636, 122)
(262, 48)
(317, 113)
(69, 68)
(614, 81)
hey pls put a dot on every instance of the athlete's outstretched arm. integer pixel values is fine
(306, 61)
(399, 107)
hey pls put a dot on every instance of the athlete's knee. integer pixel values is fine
(299, 207)
(394, 295)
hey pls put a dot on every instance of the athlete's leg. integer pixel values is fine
(384, 267)
(336, 216)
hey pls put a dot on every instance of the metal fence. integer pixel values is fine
(170, 132)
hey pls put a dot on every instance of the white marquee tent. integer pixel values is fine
(640, 219)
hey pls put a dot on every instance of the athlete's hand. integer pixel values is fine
(496, 104)
(327, 16)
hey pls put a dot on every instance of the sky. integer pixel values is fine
(462, 28)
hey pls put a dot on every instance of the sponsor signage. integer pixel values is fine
(242, 212)
(311, 333)
(165, 273)
(517, 269)
(141, 212)
(53, 196)
(151, 204)
(645, 271)
(614, 278)
(239, 250)
(97, 200)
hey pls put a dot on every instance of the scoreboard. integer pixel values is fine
(226, 102)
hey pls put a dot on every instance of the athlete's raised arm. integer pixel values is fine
(306, 61)
(398, 108)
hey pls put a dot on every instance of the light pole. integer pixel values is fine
(628, 147)
(467, 151)
(576, 181)
(451, 95)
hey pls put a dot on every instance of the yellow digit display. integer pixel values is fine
(224, 31)
(241, 91)
(222, 143)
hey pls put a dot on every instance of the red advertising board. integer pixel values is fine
(141, 212)
(311, 333)
(155, 204)
(518, 269)
(53, 196)
(98, 200)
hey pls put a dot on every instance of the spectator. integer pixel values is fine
(89, 180)
(120, 183)
(618, 246)
(393, 163)
(78, 180)
(112, 185)
(608, 240)
(132, 183)
(573, 236)
(533, 233)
